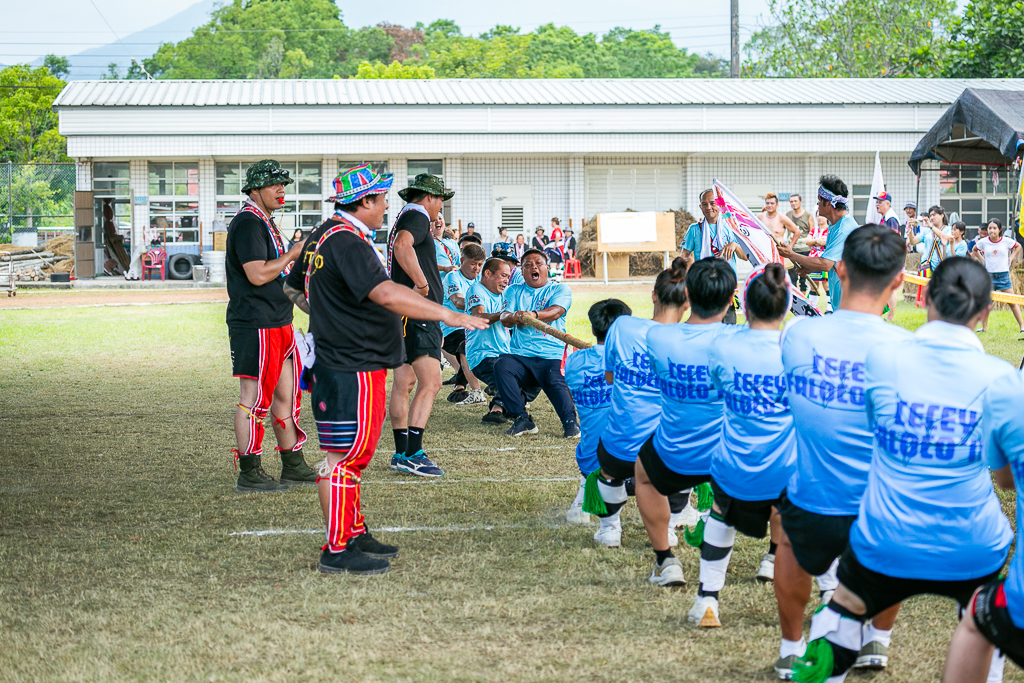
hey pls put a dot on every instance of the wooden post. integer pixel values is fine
(460, 227)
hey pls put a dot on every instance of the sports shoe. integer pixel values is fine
(351, 560)
(523, 425)
(668, 573)
(766, 572)
(704, 612)
(609, 536)
(494, 418)
(490, 390)
(784, 667)
(252, 478)
(873, 655)
(688, 517)
(458, 395)
(370, 546)
(576, 515)
(825, 597)
(571, 430)
(419, 464)
(295, 471)
(474, 397)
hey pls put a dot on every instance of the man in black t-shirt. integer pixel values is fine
(259, 319)
(354, 309)
(412, 262)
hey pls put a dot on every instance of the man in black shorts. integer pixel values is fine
(412, 261)
(259, 319)
(354, 317)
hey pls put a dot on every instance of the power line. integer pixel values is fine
(135, 61)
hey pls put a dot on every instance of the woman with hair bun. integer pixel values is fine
(757, 451)
(635, 408)
(930, 521)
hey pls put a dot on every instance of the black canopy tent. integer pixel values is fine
(981, 127)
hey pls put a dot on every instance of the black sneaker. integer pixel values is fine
(372, 547)
(571, 430)
(351, 560)
(489, 390)
(252, 478)
(494, 418)
(458, 395)
(451, 381)
(523, 425)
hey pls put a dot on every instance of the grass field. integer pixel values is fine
(117, 559)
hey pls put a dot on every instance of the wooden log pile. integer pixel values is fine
(27, 265)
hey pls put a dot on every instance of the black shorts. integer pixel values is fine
(992, 617)
(880, 591)
(259, 354)
(817, 539)
(749, 517)
(422, 338)
(455, 343)
(612, 466)
(665, 480)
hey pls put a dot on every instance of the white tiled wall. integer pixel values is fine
(138, 179)
(548, 177)
(207, 198)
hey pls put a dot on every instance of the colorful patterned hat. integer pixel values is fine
(358, 182)
(264, 174)
(430, 184)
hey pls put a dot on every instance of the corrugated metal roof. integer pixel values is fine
(497, 92)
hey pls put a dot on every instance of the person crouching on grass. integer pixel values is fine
(456, 285)
(259, 319)
(354, 314)
(535, 358)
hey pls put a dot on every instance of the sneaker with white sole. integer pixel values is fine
(576, 515)
(609, 536)
(766, 571)
(688, 517)
(419, 464)
(784, 667)
(668, 573)
(673, 539)
(704, 612)
(475, 397)
(873, 655)
(523, 425)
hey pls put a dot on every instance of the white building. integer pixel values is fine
(169, 155)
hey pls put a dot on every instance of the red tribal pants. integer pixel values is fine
(349, 409)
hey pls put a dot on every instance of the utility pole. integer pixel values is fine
(734, 31)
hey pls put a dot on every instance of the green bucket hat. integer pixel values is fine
(264, 174)
(430, 184)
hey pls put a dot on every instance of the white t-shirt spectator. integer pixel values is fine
(997, 254)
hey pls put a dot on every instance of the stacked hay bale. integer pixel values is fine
(640, 263)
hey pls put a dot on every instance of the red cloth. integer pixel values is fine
(276, 345)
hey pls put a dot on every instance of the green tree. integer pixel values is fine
(394, 70)
(60, 67)
(647, 54)
(986, 41)
(851, 38)
(28, 126)
(111, 74)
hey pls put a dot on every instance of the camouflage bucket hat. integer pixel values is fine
(430, 184)
(264, 174)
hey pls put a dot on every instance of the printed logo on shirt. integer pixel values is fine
(689, 382)
(931, 431)
(637, 374)
(753, 394)
(829, 382)
(595, 392)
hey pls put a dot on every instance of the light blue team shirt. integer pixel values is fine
(757, 453)
(517, 277)
(527, 341)
(584, 373)
(636, 399)
(442, 255)
(454, 283)
(1003, 428)
(824, 362)
(837, 235)
(691, 406)
(929, 510)
(692, 241)
(489, 343)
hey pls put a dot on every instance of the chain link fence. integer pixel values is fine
(37, 201)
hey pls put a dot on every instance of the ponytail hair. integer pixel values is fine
(767, 294)
(670, 285)
(960, 288)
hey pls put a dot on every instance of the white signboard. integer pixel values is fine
(619, 228)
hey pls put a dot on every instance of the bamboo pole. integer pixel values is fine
(1004, 297)
(557, 334)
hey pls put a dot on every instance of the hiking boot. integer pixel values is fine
(494, 418)
(351, 560)
(252, 478)
(295, 471)
(523, 425)
(372, 547)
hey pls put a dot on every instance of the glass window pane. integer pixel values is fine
(971, 220)
(186, 207)
(285, 221)
(860, 207)
(309, 206)
(227, 205)
(160, 207)
(436, 167)
(160, 179)
(996, 208)
(229, 187)
(110, 169)
(227, 170)
(970, 182)
(970, 205)
(950, 204)
(308, 179)
(948, 179)
(309, 220)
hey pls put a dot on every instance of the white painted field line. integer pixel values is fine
(388, 529)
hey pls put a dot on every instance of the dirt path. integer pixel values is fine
(120, 297)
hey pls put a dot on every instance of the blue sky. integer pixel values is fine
(69, 27)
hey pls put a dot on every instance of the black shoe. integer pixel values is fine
(494, 418)
(372, 547)
(252, 478)
(489, 390)
(451, 381)
(457, 395)
(523, 425)
(630, 485)
(571, 430)
(351, 561)
(295, 471)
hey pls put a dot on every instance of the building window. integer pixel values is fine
(173, 203)
(861, 197)
(431, 166)
(112, 210)
(976, 195)
(302, 201)
(175, 179)
(110, 178)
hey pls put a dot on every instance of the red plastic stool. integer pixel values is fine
(572, 269)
